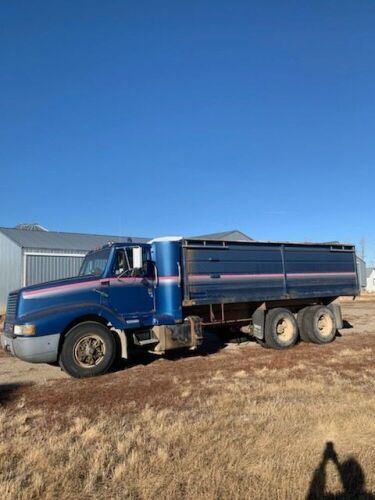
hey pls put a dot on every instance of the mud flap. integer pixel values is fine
(121, 336)
(336, 310)
(258, 318)
(196, 330)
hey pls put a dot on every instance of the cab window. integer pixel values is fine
(95, 263)
(123, 264)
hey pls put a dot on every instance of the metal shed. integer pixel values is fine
(361, 266)
(29, 256)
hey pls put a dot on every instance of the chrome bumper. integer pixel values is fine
(33, 349)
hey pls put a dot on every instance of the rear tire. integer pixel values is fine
(281, 330)
(89, 349)
(304, 336)
(320, 325)
(262, 343)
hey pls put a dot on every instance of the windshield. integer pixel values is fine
(94, 263)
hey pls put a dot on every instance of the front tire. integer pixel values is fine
(89, 349)
(281, 330)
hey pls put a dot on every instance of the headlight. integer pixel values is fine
(24, 330)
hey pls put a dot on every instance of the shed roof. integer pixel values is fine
(369, 271)
(233, 235)
(53, 240)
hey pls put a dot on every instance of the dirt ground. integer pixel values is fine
(230, 421)
(148, 376)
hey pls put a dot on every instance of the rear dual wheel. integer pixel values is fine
(314, 324)
(317, 324)
(281, 329)
(302, 332)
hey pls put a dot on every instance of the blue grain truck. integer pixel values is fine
(163, 295)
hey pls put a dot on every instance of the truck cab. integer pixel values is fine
(126, 280)
(117, 301)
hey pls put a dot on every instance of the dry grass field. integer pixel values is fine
(235, 421)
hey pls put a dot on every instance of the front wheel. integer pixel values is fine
(89, 349)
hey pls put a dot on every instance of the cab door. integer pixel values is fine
(130, 292)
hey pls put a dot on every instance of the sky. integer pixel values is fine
(156, 118)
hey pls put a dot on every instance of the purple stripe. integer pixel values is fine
(204, 277)
(88, 284)
(312, 275)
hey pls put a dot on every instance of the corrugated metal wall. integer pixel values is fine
(10, 268)
(41, 268)
(361, 266)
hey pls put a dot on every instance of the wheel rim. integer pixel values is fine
(89, 351)
(325, 325)
(285, 329)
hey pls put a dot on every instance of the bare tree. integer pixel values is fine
(362, 245)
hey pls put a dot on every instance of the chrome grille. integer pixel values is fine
(12, 305)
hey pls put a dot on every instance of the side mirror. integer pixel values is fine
(137, 258)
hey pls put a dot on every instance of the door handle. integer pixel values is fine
(103, 294)
(156, 281)
(179, 273)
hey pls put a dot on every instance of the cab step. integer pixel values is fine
(144, 338)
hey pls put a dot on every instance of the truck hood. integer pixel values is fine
(59, 286)
(58, 294)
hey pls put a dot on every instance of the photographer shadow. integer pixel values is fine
(351, 475)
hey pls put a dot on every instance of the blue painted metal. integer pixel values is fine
(167, 255)
(256, 272)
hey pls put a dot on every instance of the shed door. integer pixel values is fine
(42, 268)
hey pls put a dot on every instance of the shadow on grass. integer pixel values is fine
(213, 341)
(8, 392)
(346, 325)
(352, 477)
